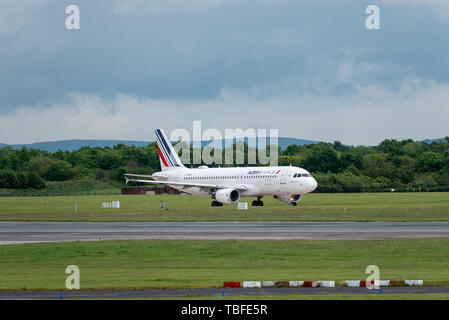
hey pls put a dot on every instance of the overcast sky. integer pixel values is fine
(309, 68)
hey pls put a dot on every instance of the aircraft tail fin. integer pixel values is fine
(167, 155)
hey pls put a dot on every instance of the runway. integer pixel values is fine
(212, 292)
(31, 232)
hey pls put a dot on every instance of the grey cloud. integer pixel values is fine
(267, 63)
(418, 110)
(194, 53)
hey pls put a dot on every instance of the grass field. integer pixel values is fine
(70, 187)
(177, 263)
(420, 206)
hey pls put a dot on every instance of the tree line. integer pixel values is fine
(337, 167)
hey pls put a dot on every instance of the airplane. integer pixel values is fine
(227, 185)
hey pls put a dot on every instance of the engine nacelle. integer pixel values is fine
(228, 196)
(288, 199)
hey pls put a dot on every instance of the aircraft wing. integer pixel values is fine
(190, 184)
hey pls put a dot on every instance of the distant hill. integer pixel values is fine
(282, 142)
(71, 145)
(433, 140)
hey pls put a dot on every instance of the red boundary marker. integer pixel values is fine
(282, 283)
(310, 284)
(397, 282)
(231, 284)
(363, 283)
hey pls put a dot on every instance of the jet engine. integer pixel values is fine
(294, 198)
(228, 196)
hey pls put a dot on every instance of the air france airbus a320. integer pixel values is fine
(227, 185)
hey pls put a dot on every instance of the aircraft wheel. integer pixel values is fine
(257, 203)
(293, 204)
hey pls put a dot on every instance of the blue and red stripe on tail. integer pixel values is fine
(167, 155)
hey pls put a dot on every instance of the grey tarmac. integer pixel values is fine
(211, 292)
(33, 232)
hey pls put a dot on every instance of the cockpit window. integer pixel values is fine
(304, 175)
(299, 175)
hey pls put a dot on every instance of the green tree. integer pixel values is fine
(429, 162)
(33, 180)
(8, 179)
(322, 159)
(59, 171)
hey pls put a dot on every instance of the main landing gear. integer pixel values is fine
(258, 202)
(216, 204)
(293, 204)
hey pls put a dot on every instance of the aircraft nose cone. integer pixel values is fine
(313, 184)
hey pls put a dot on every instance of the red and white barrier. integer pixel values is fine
(352, 283)
(251, 284)
(231, 284)
(296, 283)
(323, 284)
(282, 284)
(384, 283)
(311, 284)
(268, 284)
(326, 284)
(397, 282)
(414, 282)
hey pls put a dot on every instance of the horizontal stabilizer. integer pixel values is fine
(138, 175)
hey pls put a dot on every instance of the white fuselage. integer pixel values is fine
(259, 181)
